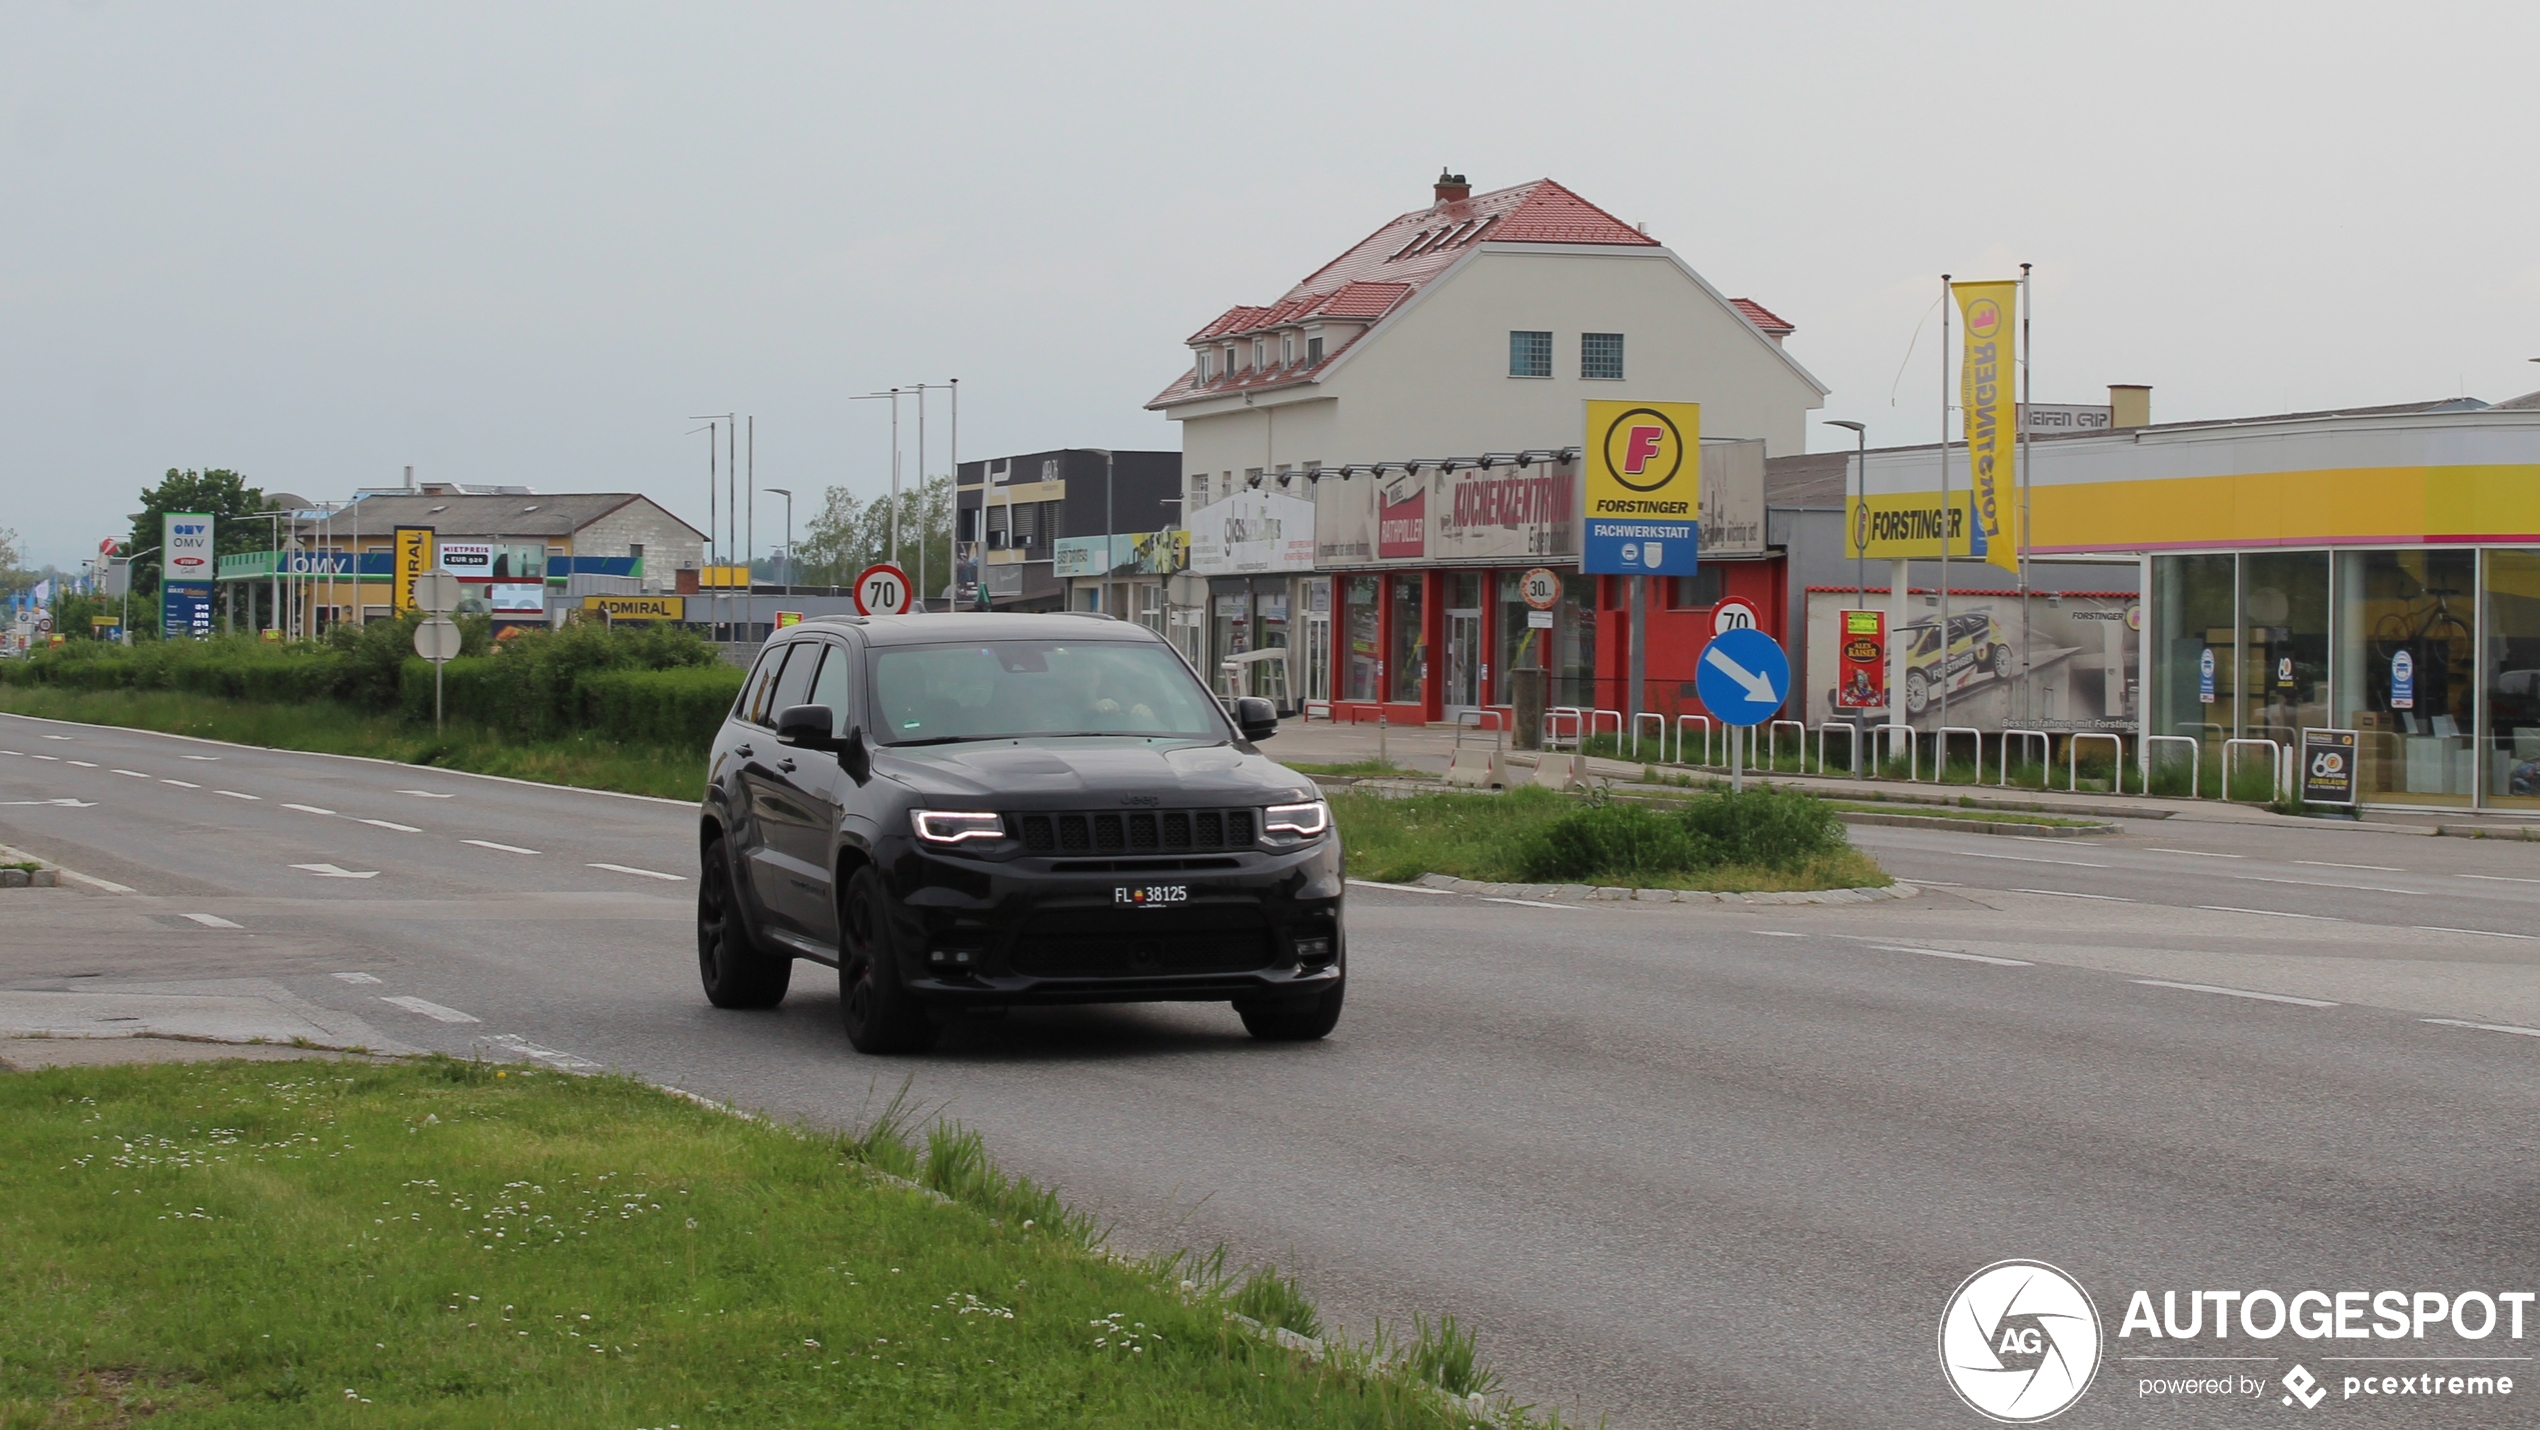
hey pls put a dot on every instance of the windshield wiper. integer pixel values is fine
(1050, 735)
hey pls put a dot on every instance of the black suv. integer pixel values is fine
(978, 811)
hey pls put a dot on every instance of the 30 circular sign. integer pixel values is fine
(1733, 614)
(1541, 588)
(882, 590)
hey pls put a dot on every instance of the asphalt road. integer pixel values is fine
(1677, 1165)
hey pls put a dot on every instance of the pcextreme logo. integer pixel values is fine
(2019, 1342)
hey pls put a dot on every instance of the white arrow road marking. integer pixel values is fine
(308, 809)
(55, 803)
(357, 978)
(423, 794)
(390, 824)
(180, 784)
(2236, 992)
(213, 921)
(498, 848)
(647, 873)
(329, 871)
(233, 794)
(1756, 686)
(136, 774)
(430, 1009)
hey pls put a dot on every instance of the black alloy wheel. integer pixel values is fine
(736, 974)
(880, 1014)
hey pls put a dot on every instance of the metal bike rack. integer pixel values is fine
(1912, 758)
(2045, 753)
(1772, 743)
(2072, 758)
(1499, 729)
(1618, 725)
(1851, 736)
(1552, 719)
(2195, 757)
(1705, 722)
(1940, 751)
(1640, 715)
(2275, 766)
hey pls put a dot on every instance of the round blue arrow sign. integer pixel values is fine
(1743, 677)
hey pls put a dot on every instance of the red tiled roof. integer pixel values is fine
(1763, 317)
(1383, 269)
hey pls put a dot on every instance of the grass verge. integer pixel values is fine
(583, 761)
(439, 1242)
(1494, 838)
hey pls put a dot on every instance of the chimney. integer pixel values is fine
(2129, 405)
(410, 479)
(1452, 188)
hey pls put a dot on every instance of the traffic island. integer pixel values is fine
(464, 1244)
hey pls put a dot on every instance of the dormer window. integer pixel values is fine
(1260, 353)
(1287, 350)
(1230, 359)
(1199, 374)
(1313, 351)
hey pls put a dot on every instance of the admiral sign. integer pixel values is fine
(1643, 488)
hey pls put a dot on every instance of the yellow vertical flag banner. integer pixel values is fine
(1986, 368)
(413, 550)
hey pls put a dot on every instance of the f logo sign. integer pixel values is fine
(1639, 446)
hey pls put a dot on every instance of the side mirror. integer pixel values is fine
(806, 727)
(853, 756)
(1256, 717)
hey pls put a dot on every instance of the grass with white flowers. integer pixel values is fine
(445, 1243)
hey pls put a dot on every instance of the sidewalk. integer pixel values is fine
(1426, 750)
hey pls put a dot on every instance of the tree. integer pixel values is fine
(223, 493)
(847, 535)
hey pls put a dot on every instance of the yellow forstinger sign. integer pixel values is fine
(414, 557)
(1987, 364)
(1643, 459)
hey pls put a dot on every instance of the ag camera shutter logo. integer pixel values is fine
(2019, 1342)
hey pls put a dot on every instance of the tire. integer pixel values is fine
(1917, 692)
(880, 1014)
(735, 971)
(2001, 662)
(1301, 1021)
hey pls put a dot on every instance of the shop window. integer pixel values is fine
(1361, 628)
(1696, 592)
(2283, 644)
(2192, 605)
(1407, 657)
(1601, 356)
(1529, 354)
(2513, 678)
(2406, 677)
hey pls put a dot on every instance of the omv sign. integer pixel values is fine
(187, 545)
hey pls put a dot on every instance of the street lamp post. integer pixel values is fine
(789, 534)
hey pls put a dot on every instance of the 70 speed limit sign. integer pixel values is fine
(882, 590)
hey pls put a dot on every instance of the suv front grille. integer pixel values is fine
(1141, 831)
(1106, 943)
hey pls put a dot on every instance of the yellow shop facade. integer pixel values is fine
(2374, 570)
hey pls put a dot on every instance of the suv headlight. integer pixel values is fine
(946, 828)
(1287, 824)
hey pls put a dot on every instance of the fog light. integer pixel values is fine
(962, 957)
(937, 956)
(1314, 950)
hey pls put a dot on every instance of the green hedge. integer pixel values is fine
(660, 685)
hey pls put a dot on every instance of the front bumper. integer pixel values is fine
(1038, 930)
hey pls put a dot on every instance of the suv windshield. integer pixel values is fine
(1014, 689)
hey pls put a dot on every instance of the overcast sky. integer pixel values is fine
(522, 243)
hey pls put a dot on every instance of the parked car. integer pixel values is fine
(978, 812)
(1976, 652)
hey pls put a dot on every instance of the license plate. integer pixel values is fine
(1145, 896)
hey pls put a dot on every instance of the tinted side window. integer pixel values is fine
(766, 684)
(754, 689)
(794, 686)
(835, 688)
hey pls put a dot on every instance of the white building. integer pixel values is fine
(1477, 325)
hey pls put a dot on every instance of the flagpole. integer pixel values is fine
(2028, 395)
(1940, 766)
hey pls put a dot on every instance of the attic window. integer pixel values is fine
(1475, 234)
(1405, 251)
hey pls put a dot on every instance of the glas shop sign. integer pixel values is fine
(2020, 1342)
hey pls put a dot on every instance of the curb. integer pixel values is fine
(1973, 826)
(1582, 893)
(2511, 834)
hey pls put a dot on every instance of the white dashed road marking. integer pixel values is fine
(198, 757)
(390, 824)
(2483, 1027)
(1525, 903)
(423, 794)
(565, 1062)
(646, 873)
(2024, 859)
(2061, 894)
(2270, 913)
(2330, 864)
(85, 764)
(1402, 888)
(213, 921)
(2482, 933)
(357, 978)
(330, 871)
(2199, 853)
(1945, 953)
(180, 784)
(498, 848)
(54, 758)
(430, 1009)
(233, 794)
(2497, 878)
(135, 774)
(2237, 992)
(308, 809)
